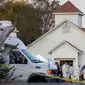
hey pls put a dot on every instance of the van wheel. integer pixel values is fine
(37, 79)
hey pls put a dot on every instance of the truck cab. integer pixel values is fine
(30, 67)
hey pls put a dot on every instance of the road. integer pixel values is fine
(43, 84)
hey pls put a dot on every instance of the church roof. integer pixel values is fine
(66, 42)
(68, 7)
(81, 29)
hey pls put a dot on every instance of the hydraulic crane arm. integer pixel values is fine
(4, 33)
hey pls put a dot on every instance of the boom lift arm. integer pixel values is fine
(4, 33)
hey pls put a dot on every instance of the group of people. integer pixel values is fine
(65, 71)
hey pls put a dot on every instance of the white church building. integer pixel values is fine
(66, 41)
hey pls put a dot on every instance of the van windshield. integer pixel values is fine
(31, 57)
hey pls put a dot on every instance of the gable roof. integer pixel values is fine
(81, 29)
(68, 7)
(65, 42)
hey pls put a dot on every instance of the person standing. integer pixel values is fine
(58, 69)
(71, 71)
(65, 70)
(61, 75)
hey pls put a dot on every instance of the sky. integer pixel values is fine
(80, 4)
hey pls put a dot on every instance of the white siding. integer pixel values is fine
(79, 21)
(72, 18)
(76, 19)
(64, 51)
(75, 37)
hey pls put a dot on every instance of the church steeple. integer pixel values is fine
(70, 12)
(68, 7)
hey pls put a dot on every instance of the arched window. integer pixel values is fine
(65, 28)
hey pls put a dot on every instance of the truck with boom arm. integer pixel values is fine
(30, 67)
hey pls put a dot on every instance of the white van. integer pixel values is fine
(30, 67)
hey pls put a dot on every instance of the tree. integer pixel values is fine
(28, 20)
(26, 17)
(32, 20)
(46, 9)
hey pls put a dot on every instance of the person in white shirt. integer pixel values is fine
(71, 71)
(65, 70)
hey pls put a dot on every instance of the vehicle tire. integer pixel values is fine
(37, 79)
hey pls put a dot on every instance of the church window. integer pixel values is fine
(65, 28)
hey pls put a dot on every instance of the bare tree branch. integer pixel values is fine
(46, 9)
